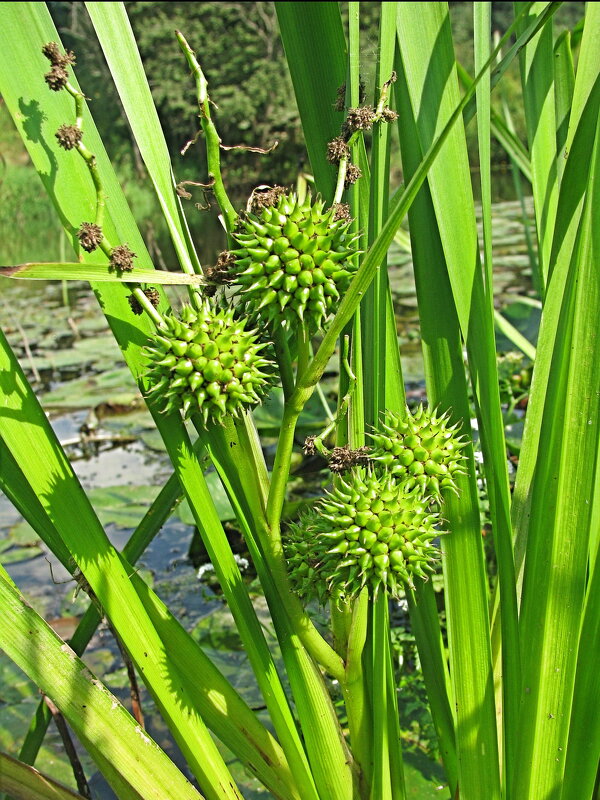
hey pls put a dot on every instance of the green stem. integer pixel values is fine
(284, 362)
(152, 312)
(341, 181)
(79, 98)
(340, 612)
(354, 688)
(270, 549)
(303, 351)
(388, 777)
(301, 623)
(213, 141)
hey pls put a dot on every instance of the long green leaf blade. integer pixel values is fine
(26, 431)
(72, 271)
(29, 25)
(561, 507)
(315, 49)
(23, 782)
(142, 769)
(537, 76)
(429, 96)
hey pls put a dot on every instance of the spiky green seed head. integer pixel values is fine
(206, 362)
(294, 263)
(423, 449)
(370, 532)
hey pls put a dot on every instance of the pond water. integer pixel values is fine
(98, 415)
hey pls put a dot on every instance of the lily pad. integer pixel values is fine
(21, 544)
(122, 506)
(115, 386)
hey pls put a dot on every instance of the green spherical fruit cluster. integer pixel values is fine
(206, 363)
(294, 263)
(422, 448)
(368, 532)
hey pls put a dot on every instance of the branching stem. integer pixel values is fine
(213, 141)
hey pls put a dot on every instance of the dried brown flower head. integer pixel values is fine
(337, 149)
(341, 211)
(121, 258)
(57, 78)
(387, 115)
(353, 173)
(344, 458)
(264, 197)
(309, 448)
(68, 136)
(89, 235)
(153, 296)
(358, 119)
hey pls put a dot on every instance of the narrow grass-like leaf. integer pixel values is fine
(482, 32)
(582, 123)
(446, 385)
(564, 83)
(45, 466)
(561, 507)
(514, 335)
(502, 132)
(536, 23)
(221, 707)
(427, 64)
(583, 748)
(240, 731)
(72, 271)
(143, 770)
(23, 782)
(120, 49)
(537, 76)
(315, 48)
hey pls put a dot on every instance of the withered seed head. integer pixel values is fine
(337, 149)
(309, 448)
(219, 274)
(344, 458)
(153, 296)
(68, 136)
(341, 211)
(387, 115)
(57, 78)
(89, 235)
(340, 100)
(52, 52)
(358, 119)
(121, 258)
(353, 173)
(265, 197)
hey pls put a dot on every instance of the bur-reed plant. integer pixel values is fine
(514, 693)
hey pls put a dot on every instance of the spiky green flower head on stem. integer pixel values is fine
(422, 448)
(369, 531)
(206, 362)
(295, 262)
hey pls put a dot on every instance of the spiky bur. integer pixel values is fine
(206, 362)
(369, 531)
(295, 262)
(421, 448)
